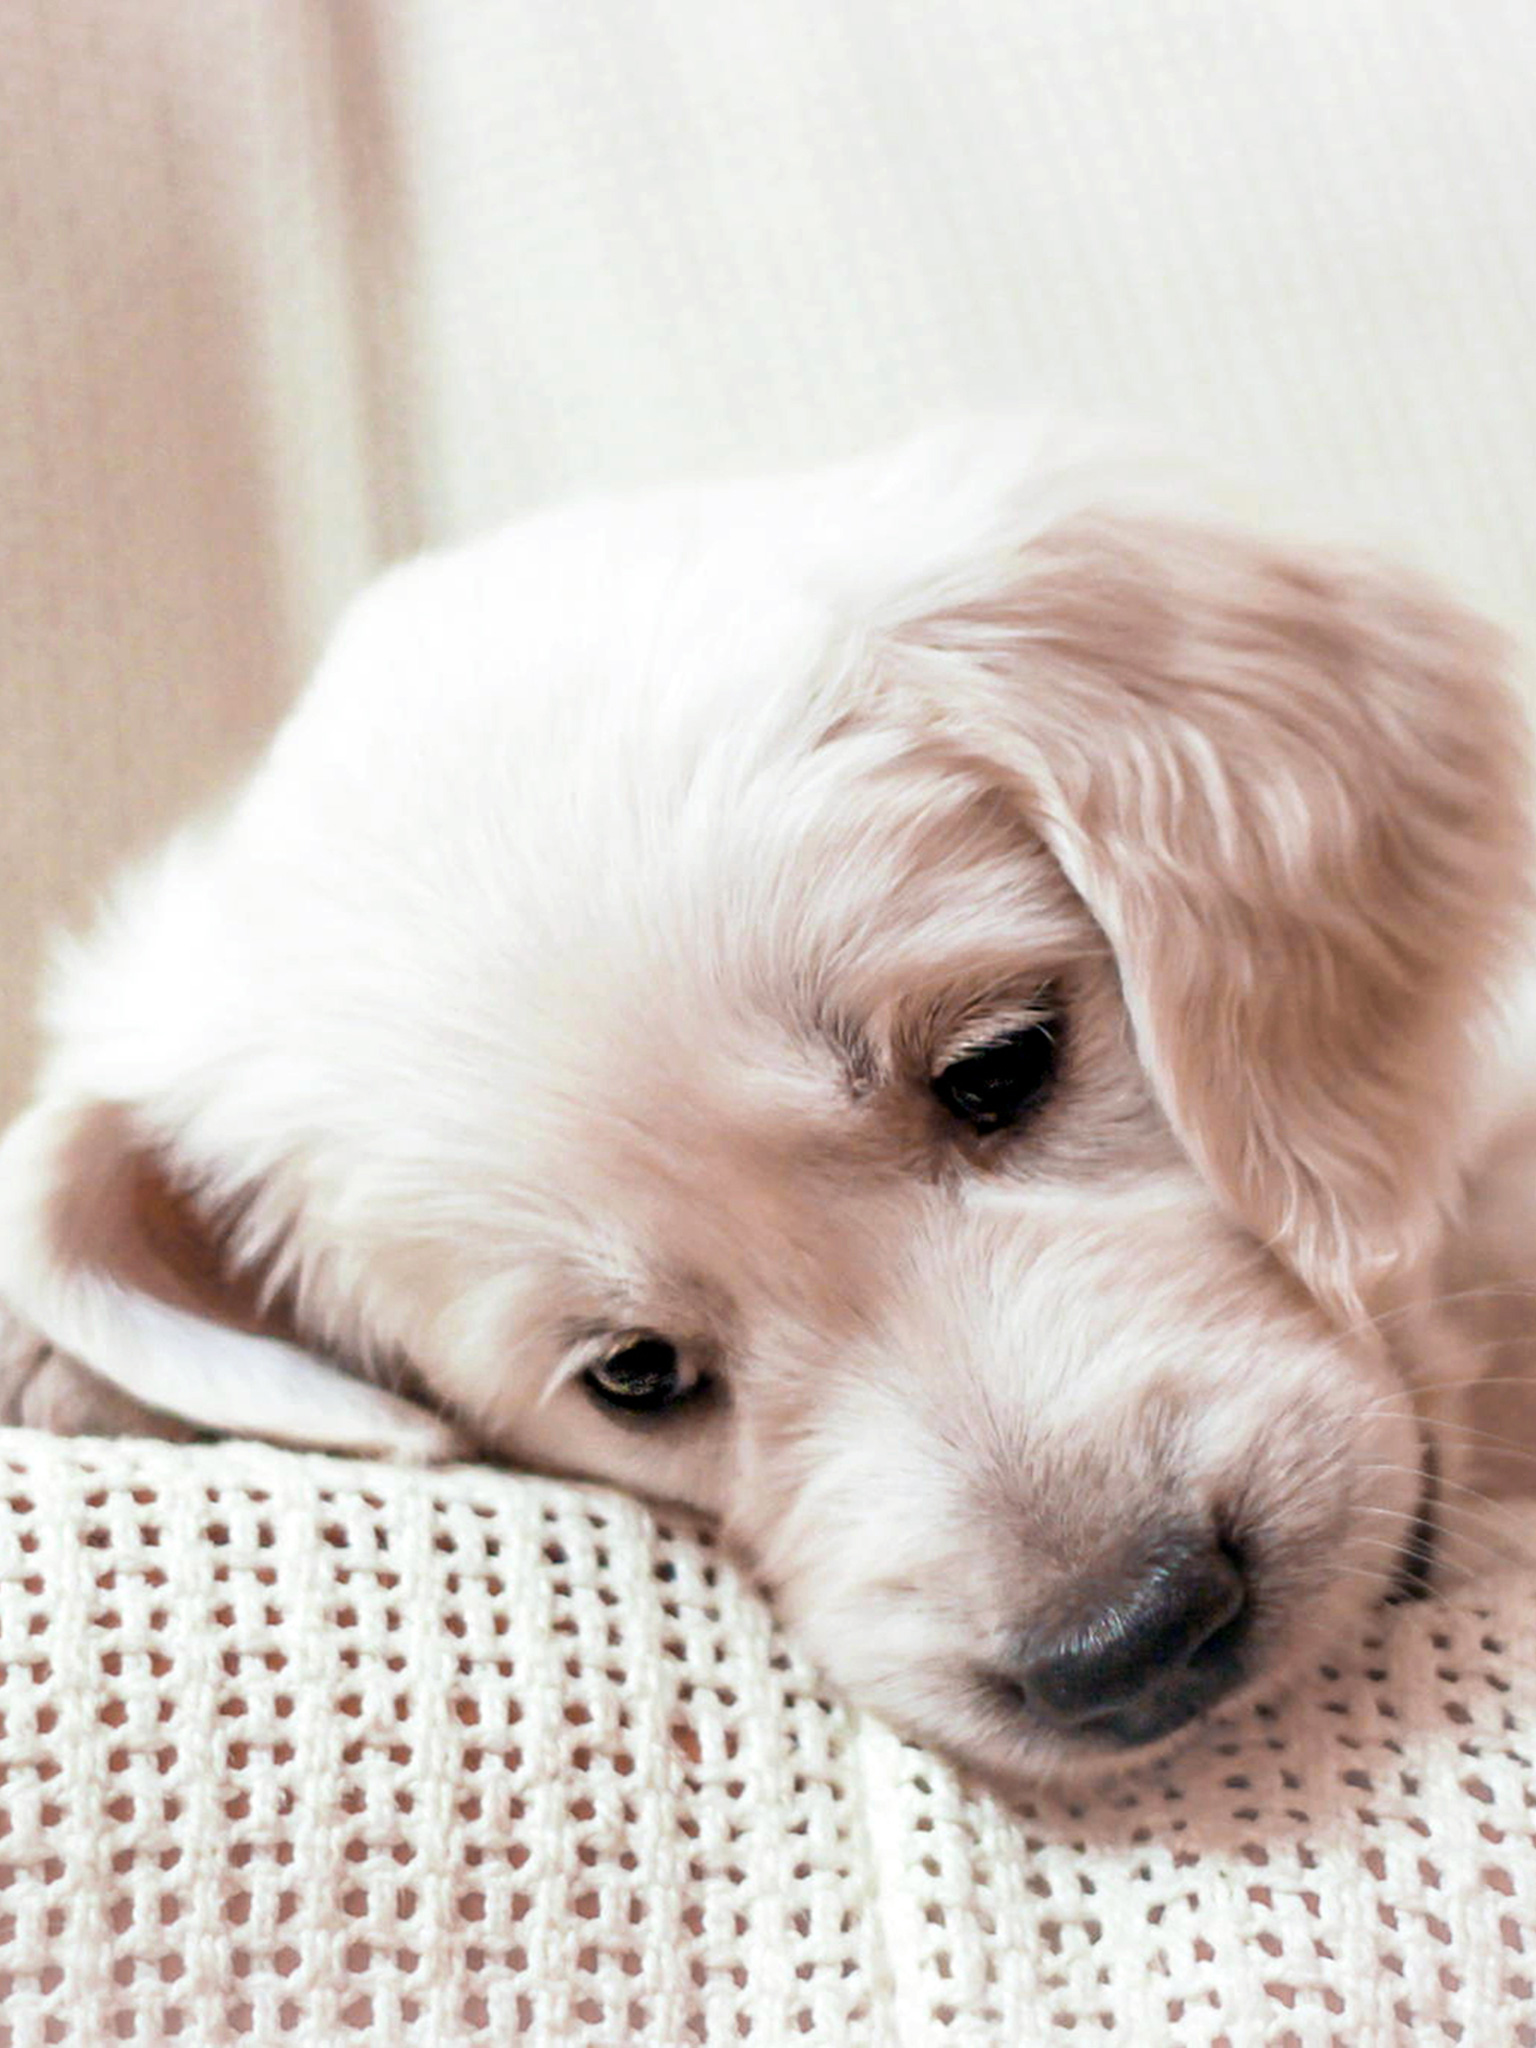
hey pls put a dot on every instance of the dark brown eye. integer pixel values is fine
(643, 1377)
(992, 1088)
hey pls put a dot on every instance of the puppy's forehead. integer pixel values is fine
(642, 750)
(664, 611)
(761, 912)
(690, 603)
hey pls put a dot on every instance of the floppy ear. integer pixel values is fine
(118, 1278)
(1291, 790)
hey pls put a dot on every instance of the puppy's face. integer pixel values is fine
(909, 1011)
(856, 1223)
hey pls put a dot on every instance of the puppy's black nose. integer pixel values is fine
(1149, 1655)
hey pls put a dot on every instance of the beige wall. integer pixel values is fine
(286, 288)
(181, 489)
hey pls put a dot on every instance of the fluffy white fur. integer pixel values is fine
(578, 961)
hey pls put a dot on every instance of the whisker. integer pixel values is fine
(1490, 1554)
(1513, 1290)
(1443, 1571)
(1462, 1383)
(1452, 1485)
(1494, 1446)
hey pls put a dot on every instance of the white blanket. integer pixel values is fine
(307, 1752)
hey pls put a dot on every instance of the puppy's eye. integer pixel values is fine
(992, 1088)
(644, 1377)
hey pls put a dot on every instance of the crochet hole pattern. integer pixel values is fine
(295, 1750)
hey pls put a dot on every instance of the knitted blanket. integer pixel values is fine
(296, 1750)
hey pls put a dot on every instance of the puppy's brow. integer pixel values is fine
(863, 1068)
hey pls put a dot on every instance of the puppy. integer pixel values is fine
(929, 1011)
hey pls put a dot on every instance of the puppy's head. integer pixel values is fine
(925, 1011)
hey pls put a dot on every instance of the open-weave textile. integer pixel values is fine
(297, 1750)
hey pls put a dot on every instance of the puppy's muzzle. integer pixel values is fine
(1145, 1650)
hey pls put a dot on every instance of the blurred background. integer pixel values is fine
(291, 287)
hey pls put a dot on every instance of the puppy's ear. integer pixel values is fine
(119, 1279)
(1292, 793)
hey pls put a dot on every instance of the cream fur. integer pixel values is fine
(577, 960)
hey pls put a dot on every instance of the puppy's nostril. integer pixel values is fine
(1162, 1646)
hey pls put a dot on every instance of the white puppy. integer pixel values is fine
(927, 1010)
